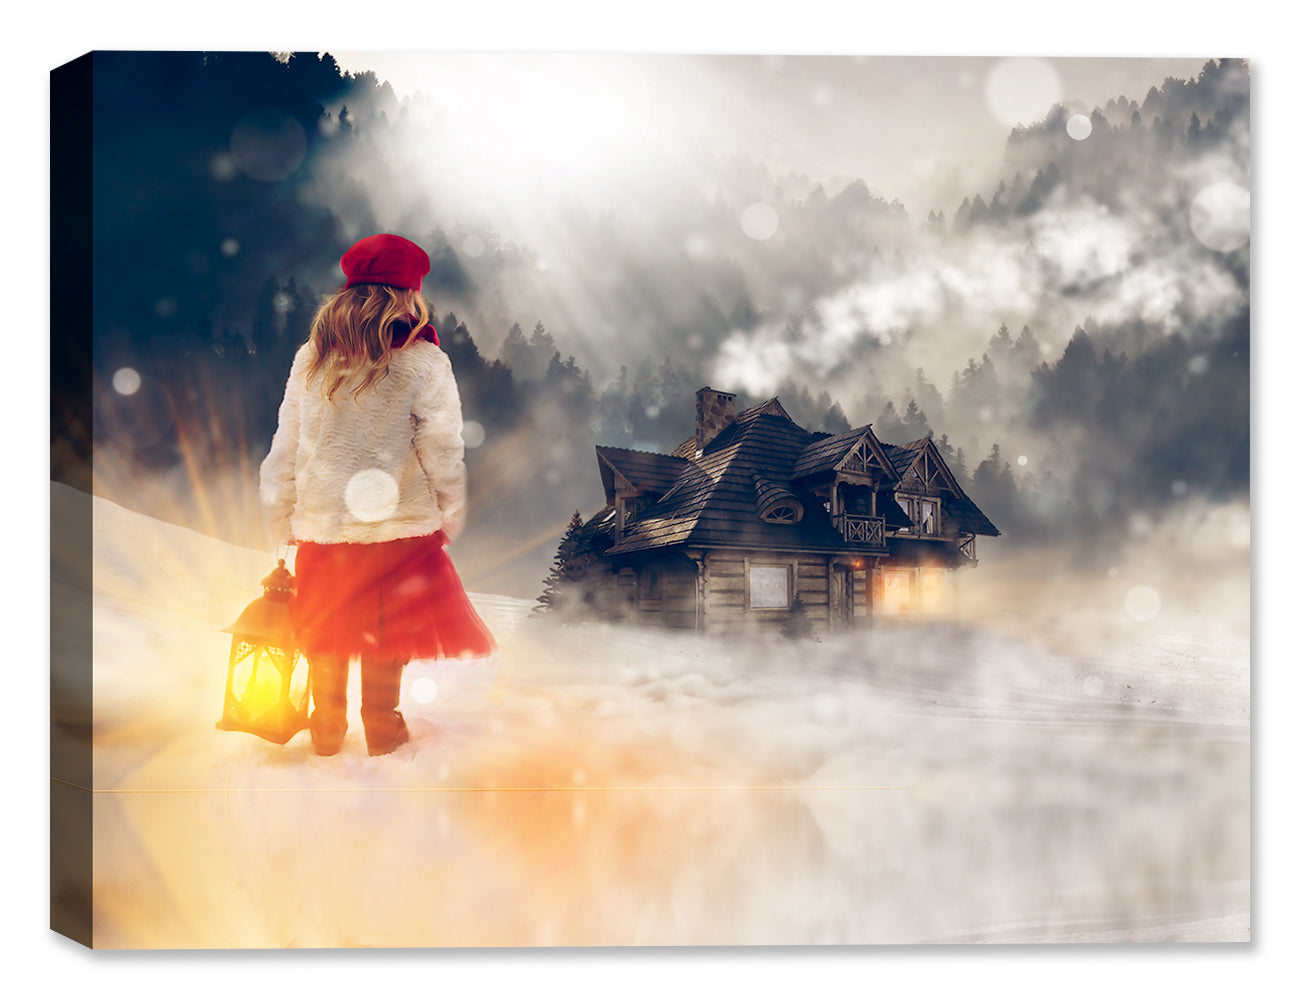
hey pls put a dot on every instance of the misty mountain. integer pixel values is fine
(228, 184)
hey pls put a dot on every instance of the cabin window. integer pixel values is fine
(933, 589)
(769, 587)
(923, 512)
(895, 590)
(653, 583)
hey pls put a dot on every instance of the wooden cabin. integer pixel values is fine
(754, 511)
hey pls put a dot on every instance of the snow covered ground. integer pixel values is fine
(1041, 776)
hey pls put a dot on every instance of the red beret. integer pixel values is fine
(385, 260)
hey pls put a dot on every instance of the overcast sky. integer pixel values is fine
(923, 130)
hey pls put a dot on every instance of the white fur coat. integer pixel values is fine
(387, 464)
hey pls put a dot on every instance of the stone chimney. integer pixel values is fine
(713, 412)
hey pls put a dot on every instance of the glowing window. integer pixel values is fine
(896, 590)
(769, 586)
(932, 589)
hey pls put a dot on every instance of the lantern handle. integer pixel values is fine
(282, 550)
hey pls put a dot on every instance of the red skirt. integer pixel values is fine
(393, 600)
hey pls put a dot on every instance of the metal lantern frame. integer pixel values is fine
(264, 632)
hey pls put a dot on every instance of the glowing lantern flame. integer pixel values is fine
(261, 694)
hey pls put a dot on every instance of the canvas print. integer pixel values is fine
(510, 500)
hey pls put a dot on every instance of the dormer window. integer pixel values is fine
(923, 512)
(927, 516)
(626, 510)
(783, 514)
(634, 506)
(775, 503)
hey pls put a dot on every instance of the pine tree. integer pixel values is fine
(834, 421)
(797, 624)
(889, 427)
(555, 596)
(514, 350)
(958, 467)
(915, 425)
(1027, 351)
(927, 395)
(995, 490)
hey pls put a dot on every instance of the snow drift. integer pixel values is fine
(947, 782)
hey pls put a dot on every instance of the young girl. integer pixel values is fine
(366, 475)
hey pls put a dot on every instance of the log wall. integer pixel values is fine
(674, 604)
(725, 596)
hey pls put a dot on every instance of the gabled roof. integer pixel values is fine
(903, 455)
(644, 471)
(829, 453)
(921, 460)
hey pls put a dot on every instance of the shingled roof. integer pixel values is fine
(903, 455)
(646, 471)
(968, 517)
(714, 502)
(716, 498)
(825, 453)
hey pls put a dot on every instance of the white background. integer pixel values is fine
(38, 39)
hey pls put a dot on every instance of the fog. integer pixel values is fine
(1068, 759)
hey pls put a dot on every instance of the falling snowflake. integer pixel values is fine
(223, 167)
(1220, 216)
(698, 247)
(268, 145)
(1021, 91)
(473, 434)
(424, 690)
(371, 495)
(126, 381)
(1079, 127)
(1142, 603)
(759, 221)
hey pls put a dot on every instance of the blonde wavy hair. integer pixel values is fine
(352, 333)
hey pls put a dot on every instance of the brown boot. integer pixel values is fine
(381, 687)
(329, 694)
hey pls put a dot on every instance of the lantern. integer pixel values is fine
(263, 696)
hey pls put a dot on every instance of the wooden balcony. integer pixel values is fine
(862, 530)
